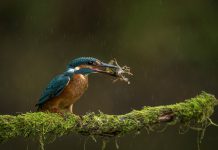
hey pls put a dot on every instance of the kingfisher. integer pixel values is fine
(65, 89)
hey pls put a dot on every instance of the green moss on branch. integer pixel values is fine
(193, 113)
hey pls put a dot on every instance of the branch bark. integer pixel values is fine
(193, 113)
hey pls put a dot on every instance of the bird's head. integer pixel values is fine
(87, 65)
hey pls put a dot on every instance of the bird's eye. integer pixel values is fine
(90, 62)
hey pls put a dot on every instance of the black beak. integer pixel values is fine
(105, 68)
(108, 65)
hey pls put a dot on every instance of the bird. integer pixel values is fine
(67, 88)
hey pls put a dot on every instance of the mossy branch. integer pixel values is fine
(193, 113)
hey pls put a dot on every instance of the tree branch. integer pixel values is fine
(191, 114)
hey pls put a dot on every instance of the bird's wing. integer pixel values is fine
(54, 88)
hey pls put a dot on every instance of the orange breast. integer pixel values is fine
(74, 90)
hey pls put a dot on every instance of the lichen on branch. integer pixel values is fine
(193, 113)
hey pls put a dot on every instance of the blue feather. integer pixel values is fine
(54, 88)
(79, 61)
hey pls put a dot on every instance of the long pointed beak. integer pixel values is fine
(108, 65)
(105, 68)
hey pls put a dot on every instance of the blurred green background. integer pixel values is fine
(171, 46)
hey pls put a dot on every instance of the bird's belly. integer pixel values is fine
(73, 91)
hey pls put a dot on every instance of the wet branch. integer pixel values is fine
(193, 113)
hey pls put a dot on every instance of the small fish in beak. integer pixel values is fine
(113, 69)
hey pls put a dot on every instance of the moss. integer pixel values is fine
(191, 114)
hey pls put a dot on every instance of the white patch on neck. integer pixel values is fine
(70, 70)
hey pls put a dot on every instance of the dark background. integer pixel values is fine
(171, 46)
